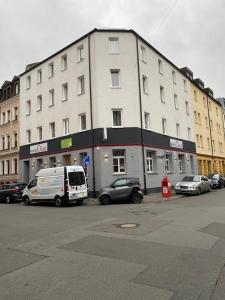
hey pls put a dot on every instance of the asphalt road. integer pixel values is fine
(172, 250)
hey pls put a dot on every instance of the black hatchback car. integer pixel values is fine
(217, 180)
(11, 192)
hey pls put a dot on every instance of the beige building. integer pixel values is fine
(9, 131)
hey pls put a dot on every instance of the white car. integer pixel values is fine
(194, 184)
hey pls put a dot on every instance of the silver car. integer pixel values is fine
(194, 184)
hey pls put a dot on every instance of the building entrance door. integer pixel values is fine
(67, 160)
(26, 171)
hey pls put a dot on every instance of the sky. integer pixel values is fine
(188, 32)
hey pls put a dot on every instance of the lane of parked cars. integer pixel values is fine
(63, 185)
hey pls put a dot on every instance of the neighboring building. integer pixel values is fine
(208, 128)
(112, 96)
(9, 131)
(222, 102)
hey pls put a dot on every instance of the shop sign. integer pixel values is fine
(39, 148)
(176, 144)
(66, 143)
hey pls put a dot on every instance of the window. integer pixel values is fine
(65, 126)
(195, 116)
(143, 53)
(65, 92)
(39, 76)
(178, 130)
(28, 82)
(162, 94)
(7, 167)
(28, 108)
(8, 141)
(119, 161)
(181, 162)
(189, 133)
(115, 78)
(185, 85)
(64, 62)
(168, 163)
(83, 125)
(113, 45)
(51, 97)
(176, 103)
(150, 161)
(15, 139)
(16, 113)
(197, 139)
(147, 120)
(39, 102)
(80, 53)
(51, 69)
(195, 96)
(213, 144)
(28, 134)
(160, 65)
(216, 111)
(3, 118)
(52, 129)
(117, 117)
(201, 141)
(3, 167)
(8, 115)
(52, 161)
(17, 88)
(164, 126)
(199, 118)
(145, 84)
(3, 143)
(206, 122)
(81, 87)
(208, 143)
(204, 102)
(15, 166)
(174, 77)
(39, 131)
(187, 107)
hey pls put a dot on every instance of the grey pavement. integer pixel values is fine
(176, 250)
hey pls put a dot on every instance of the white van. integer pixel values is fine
(59, 185)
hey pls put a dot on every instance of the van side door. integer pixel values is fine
(32, 187)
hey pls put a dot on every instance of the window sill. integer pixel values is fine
(117, 126)
(63, 69)
(50, 76)
(118, 174)
(27, 89)
(27, 115)
(82, 130)
(79, 61)
(79, 94)
(115, 87)
(39, 110)
(64, 100)
(51, 105)
(152, 173)
(146, 93)
(116, 53)
(144, 61)
(39, 82)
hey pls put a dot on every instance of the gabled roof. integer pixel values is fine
(5, 84)
(15, 78)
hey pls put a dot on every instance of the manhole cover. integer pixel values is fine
(129, 225)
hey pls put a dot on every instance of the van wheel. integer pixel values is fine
(105, 200)
(79, 202)
(58, 201)
(26, 201)
(7, 199)
(136, 198)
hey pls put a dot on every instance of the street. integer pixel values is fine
(164, 250)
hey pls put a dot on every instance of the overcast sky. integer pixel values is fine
(188, 32)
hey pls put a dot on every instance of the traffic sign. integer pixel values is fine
(86, 160)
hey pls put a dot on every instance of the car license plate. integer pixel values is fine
(82, 194)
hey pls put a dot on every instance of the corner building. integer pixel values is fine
(112, 96)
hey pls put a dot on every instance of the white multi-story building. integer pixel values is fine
(113, 97)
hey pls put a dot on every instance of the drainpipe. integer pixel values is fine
(91, 113)
(141, 119)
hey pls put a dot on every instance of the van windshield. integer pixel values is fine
(76, 178)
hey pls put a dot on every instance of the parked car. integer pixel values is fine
(122, 189)
(217, 180)
(194, 184)
(10, 193)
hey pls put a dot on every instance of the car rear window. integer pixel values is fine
(76, 178)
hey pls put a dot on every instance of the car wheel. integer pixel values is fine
(209, 190)
(7, 199)
(105, 200)
(136, 198)
(79, 202)
(26, 201)
(58, 201)
(199, 191)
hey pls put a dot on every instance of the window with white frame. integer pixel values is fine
(147, 120)
(28, 134)
(39, 133)
(185, 85)
(176, 102)
(3, 167)
(83, 123)
(3, 118)
(28, 107)
(15, 166)
(204, 101)
(65, 126)
(28, 85)
(195, 96)
(39, 102)
(64, 62)
(216, 111)
(143, 54)
(187, 107)
(181, 163)
(199, 119)
(65, 92)
(178, 130)
(145, 84)
(117, 117)
(115, 78)
(7, 167)
(51, 69)
(51, 97)
(201, 141)
(15, 137)
(8, 115)
(52, 129)
(119, 161)
(15, 113)
(160, 66)
(150, 160)
(189, 133)
(3, 142)
(168, 163)
(80, 53)
(39, 76)
(8, 141)
(164, 126)
(174, 77)
(162, 94)
(81, 86)
(114, 45)
(17, 88)
(197, 140)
